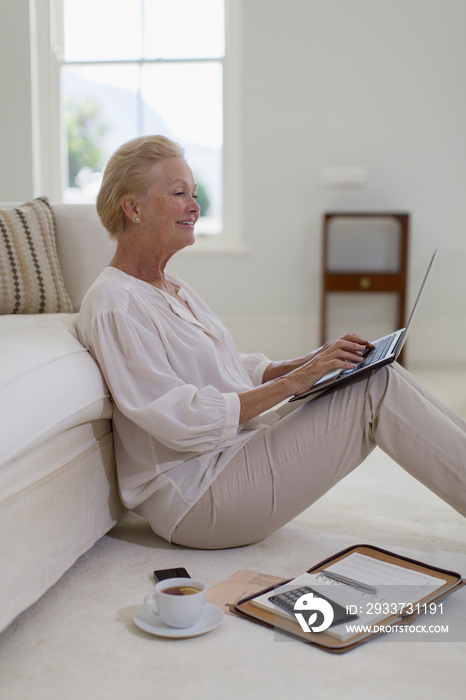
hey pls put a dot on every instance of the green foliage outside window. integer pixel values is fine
(86, 130)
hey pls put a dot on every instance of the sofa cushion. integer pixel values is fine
(31, 280)
(84, 247)
(48, 382)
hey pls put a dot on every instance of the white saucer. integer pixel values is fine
(212, 617)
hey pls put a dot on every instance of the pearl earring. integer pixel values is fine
(137, 219)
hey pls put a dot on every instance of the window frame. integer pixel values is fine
(51, 151)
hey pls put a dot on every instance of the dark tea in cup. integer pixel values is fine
(181, 590)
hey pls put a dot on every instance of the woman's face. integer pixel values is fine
(169, 211)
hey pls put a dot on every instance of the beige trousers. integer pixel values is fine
(283, 470)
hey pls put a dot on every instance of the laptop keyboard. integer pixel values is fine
(371, 356)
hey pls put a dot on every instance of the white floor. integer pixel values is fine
(79, 640)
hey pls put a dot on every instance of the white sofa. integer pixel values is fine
(58, 492)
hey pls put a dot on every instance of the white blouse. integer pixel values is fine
(174, 377)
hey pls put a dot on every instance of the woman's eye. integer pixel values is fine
(182, 193)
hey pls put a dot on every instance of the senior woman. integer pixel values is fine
(201, 450)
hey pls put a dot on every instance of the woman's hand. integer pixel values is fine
(344, 353)
(285, 379)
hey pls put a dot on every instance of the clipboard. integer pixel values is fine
(452, 581)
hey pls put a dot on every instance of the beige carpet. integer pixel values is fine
(79, 640)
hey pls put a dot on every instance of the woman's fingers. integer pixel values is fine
(342, 353)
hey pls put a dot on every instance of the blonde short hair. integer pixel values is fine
(128, 174)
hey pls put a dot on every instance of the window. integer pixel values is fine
(133, 67)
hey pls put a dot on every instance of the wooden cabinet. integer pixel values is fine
(365, 253)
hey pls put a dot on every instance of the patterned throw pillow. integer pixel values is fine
(31, 281)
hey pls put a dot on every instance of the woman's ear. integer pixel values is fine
(131, 209)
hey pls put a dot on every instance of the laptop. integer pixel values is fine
(385, 351)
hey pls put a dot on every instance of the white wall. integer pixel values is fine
(371, 83)
(16, 112)
(374, 83)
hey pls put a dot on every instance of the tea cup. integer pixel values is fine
(178, 602)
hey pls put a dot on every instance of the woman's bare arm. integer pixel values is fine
(285, 379)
